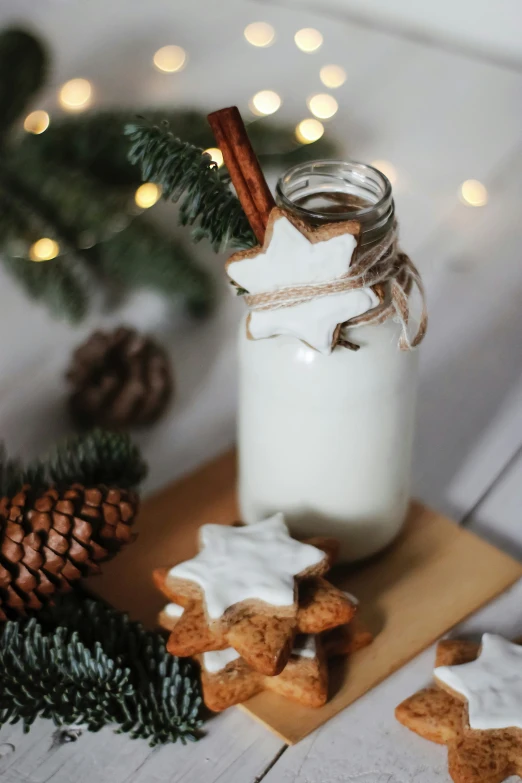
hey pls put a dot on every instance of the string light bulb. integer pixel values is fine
(473, 193)
(322, 105)
(386, 168)
(332, 76)
(216, 155)
(44, 249)
(259, 34)
(36, 122)
(308, 39)
(265, 102)
(147, 195)
(309, 130)
(170, 59)
(75, 95)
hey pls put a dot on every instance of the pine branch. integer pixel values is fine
(23, 70)
(83, 662)
(188, 175)
(97, 457)
(80, 209)
(141, 257)
(60, 282)
(93, 142)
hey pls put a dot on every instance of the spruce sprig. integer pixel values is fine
(187, 174)
(82, 662)
(96, 457)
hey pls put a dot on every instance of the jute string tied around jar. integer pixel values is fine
(383, 265)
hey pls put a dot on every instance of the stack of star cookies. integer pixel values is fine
(253, 607)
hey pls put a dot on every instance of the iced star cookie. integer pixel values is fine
(296, 261)
(241, 590)
(475, 709)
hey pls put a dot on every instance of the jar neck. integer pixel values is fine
(327, 191)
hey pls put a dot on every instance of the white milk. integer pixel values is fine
(327, 439)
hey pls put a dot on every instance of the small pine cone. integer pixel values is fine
(51, 537)
(119, 379)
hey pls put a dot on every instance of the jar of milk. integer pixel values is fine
(326, 437)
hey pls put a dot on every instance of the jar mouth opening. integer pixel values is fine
(337, 177)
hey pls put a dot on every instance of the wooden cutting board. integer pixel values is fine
(431, 578)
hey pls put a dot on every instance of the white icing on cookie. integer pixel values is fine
(173, 610)
(313, 322)
(352, 598)
(217, 660)
(257, 561)
(304, 646)
(492, 684)
(292, 260)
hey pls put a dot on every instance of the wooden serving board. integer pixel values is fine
(431, 578)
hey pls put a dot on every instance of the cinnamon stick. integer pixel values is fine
(243, 166)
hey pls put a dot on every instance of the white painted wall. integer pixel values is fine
(492, 27)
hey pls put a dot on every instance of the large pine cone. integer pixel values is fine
(52, 537)
(119, 379)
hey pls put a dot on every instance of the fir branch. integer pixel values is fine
(93, 142)
(188, 175)
(83, 662)
(60, 282)
(139, 256)
(128, 253)
(97, 457)
(23, 70)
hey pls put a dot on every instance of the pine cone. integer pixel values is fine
(51, 537)
(119, 379)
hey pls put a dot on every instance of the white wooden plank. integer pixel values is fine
(498, 517)
(365, 744)
(235, 750)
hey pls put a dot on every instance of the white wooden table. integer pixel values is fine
(439, 117)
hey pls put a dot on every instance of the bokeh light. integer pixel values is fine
(36, 122)
(265, 102)
(216, 155)
(309, 130)
(259, 34)
(322, 105)
(308, 40)
(75, 95)
(473, 193)
(44, 249)
(332, 76)
(147, 195)
(170, 59)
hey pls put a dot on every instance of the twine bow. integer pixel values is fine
(382, 264)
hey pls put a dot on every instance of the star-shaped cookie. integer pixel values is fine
(253, 589)
(227, 680)
(294, 256)
(442, 713)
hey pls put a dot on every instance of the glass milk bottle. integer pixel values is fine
(327, 439)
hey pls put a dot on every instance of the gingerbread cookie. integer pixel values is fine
(475, 709)
(241, 591)
(295, 283)
(227, 679)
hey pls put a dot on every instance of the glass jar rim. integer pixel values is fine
(318, 167)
